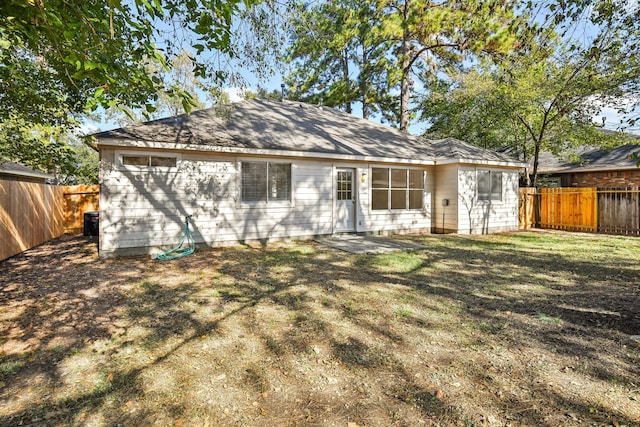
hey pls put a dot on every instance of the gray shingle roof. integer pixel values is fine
(20, 170)
(295, 126)
(590, 158)
(451, 148)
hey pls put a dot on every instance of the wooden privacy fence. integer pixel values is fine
(610, 211)
(619, 211)
(79, 199)
(568, 209)
(31, 213)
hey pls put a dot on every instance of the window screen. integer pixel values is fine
(279, 181)
(142, 161)
(145, 161)
(254, 182)
(416, 189)
(489, 185)
(263, 181)
(167, 162)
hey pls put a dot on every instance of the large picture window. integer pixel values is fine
(396, 189)
(266, 182)
(489, 185)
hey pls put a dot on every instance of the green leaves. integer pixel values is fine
(39, 146)
(358, 50)
(86, 45)
(60, 60)
(338, 55)
(542, 97)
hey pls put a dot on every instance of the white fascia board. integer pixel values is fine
(165, 146)
(450, 161)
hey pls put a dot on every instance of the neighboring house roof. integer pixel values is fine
(285, 128)
(590, 159)
(14, 169)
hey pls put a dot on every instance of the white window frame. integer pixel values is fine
(120, 164)
(491, 196)
(390, 188)
(268, 202)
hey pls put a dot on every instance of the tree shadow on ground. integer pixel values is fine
(300, 334)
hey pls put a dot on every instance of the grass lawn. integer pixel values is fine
(534, 328)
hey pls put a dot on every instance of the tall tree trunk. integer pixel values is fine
(405, 95)
(525, 159)
(345, 73)
(538, 144)
(536, 155)
(364, 86)
(405, 85)
(365, 107)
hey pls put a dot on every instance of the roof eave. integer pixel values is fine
(583, 169)
(34, 174)
(139, 144)
(451, 161)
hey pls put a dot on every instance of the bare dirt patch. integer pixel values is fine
(521, 329)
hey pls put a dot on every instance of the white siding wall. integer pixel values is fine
(445, 218)
(146, 209)
(484, 216)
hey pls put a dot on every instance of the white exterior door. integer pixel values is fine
(345, 218)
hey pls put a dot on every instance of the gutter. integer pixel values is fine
(453, 161)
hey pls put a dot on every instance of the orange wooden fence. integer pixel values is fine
(31, 213)
(573, 209)
(610, 211)
(79, 199)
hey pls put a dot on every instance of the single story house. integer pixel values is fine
(260, 170)
(15, 172)
(589, 166)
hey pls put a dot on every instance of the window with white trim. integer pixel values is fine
(489, 185)
(394, 189)
(148, 160)
(266, 182)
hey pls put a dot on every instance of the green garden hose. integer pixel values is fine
(186, 247)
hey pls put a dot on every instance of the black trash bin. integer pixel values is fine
(91, 223)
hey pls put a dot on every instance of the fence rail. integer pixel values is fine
(31, 213)
(608, 211)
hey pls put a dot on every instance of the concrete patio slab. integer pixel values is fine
(367, 244)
